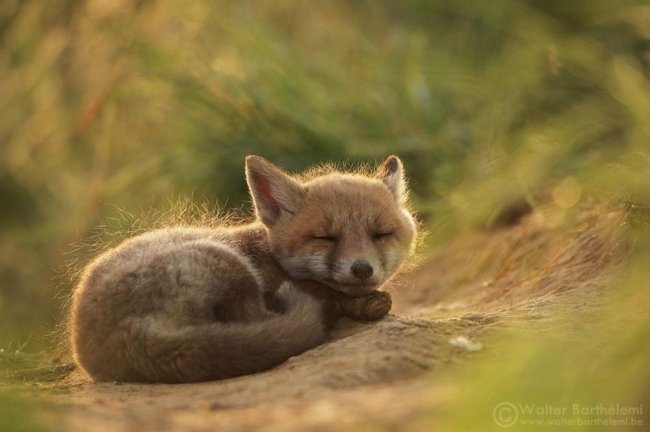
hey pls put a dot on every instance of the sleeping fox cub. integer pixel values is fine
(191, 304)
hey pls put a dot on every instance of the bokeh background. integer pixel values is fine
(114, 107)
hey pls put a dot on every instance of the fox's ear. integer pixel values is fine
(391, 172)
(273, 191)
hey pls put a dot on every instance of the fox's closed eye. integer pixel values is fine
(327, 238)
(382, 236)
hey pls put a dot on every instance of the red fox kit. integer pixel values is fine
(192, 304)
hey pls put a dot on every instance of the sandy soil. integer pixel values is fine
(390, 374)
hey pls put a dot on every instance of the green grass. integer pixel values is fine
(17, 414)
(589, 373)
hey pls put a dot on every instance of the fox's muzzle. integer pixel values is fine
(361, 270)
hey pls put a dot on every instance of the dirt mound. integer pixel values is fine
(389, 373)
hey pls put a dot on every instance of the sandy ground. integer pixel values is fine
(391, 374)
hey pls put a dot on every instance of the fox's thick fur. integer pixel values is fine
(191, 304)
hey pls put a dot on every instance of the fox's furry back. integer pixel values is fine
(180, 305)
(189, 304)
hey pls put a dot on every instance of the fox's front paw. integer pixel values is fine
(368, 308)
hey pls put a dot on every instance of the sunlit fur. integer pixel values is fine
(344, 218)
(185, 304)
(321, 225)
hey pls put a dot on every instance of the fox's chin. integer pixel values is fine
(353, 290)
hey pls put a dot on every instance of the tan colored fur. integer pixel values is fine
(189, 304)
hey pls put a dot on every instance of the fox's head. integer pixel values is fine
(349, 231)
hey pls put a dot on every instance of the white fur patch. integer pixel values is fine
(342, 272)
(312, 265)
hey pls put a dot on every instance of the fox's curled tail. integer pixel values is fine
(217, 350)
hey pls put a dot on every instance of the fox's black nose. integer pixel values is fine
(362, 269)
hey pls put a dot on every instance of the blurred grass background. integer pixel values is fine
(116, 105)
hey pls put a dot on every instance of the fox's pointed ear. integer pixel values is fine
(391, 172)
(273, 191)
